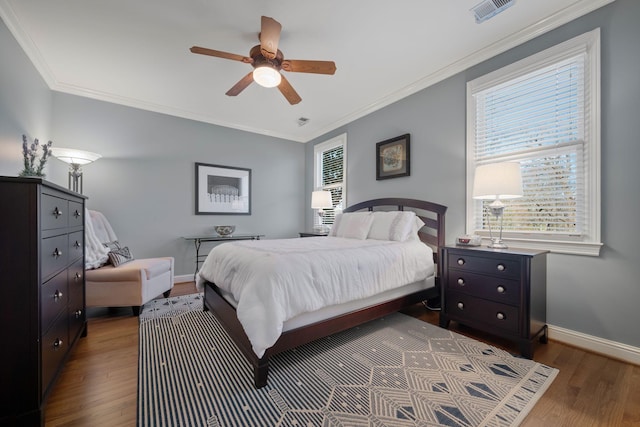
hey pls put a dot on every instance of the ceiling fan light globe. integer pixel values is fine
(267, 76)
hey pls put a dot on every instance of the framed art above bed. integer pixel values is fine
(222, 190)
(393, 157)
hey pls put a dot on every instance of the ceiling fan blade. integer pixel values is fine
(269, 37)
(220, 54)
(289, 92)
(302, 66)
(241, 85)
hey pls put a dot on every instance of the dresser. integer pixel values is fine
(499, 291)
(43, 303)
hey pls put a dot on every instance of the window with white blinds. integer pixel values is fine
(330, 174)
(542, 112)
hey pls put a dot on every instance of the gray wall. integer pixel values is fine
(25, 103)
(594, 295)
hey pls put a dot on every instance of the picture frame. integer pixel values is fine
(222, 190)
(393, 158)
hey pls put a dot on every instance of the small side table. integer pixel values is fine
(198, 240)
(313, 233)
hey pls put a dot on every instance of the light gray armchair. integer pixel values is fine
(132, 283)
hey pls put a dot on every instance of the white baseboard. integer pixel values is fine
(616, 350)
(183, 278)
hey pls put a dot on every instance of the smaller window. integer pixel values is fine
(330, 174)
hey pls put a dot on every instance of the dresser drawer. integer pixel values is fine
(76, 312)
(53, 347)
(497, 289)
(54, 212)
(76, 214)
(503, 267)
(463, 307)
(53, 299)
(54, 254)
(76, 245)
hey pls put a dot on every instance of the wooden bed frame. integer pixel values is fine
(432, 234)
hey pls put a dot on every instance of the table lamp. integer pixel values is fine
(321, 200)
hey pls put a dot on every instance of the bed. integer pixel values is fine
(369, 296)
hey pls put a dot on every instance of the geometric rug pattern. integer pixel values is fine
(396, 371)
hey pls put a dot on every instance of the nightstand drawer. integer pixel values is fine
(464, 307)
(494, 288)
(503, 267)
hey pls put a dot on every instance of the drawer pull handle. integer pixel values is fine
(501, 267)
(500, 316)
(57, 295)
(76, 214)
(461, 281)
(460, 261)
(500, 289)
(77, 277)
(461, 306)
(57, 343)
(78, 314)
(57, 212)
(57, 253)
(76, 245)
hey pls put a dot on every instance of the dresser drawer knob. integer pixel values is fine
(500, 289)
(501, 267)
(76, 214)
(500, 316)
(57, 253)
(57, 343)
(76, 245)
(57, 295)
(57, 212)
(461, 305)
(78, 314)
(77, 277)
(461, 281)
(460, 261)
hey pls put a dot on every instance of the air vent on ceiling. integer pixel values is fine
(490, 8)
(303, 121)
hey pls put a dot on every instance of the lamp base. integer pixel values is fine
(497, 244)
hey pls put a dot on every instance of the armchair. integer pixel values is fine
(132, 283)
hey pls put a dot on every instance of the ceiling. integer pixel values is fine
(136, 53)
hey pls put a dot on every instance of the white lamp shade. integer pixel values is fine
(73, 156)
(267, 76)
(321, 200)
(498, 181)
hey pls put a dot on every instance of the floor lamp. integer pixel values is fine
(497, 182)
(75, 159)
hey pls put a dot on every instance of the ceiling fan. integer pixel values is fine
(267, 61)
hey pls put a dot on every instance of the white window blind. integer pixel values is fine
(330, 174)
(542, 113)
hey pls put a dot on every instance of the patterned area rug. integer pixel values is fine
(396, 371)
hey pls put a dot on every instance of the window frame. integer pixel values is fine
(589, 44)
(318, 150)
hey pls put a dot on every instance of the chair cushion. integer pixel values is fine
(130, 271)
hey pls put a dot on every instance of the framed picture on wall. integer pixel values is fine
(222, 190)
(392, 158)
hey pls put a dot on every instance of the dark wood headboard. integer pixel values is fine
(432, 214)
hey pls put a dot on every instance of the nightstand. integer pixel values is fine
(313, 233)
(499, 291)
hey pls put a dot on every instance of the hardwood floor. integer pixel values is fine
(98, 386)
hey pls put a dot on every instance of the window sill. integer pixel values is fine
(554, 246)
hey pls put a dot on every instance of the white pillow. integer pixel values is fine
(352, 225)
(417, 225)
(396, 225)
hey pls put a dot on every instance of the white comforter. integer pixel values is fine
(275, 280)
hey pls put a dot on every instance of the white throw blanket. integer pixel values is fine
(97, 231)
(276, 280)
